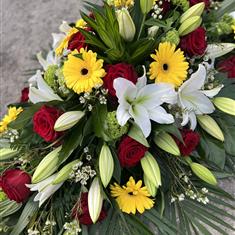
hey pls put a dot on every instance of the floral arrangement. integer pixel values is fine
(127, 126)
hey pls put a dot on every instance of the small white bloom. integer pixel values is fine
(193, 100)
(142, 102)
(45, 189)
(181, 197)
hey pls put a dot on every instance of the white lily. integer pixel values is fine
(51, 59)
(142, 102)
(43, 93)
(193, 99)
(45, 189)
(59, 37)
(218, 49)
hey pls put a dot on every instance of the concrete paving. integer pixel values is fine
(26, 27)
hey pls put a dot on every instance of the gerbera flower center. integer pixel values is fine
(84, 71)
(135, 192)
(165, 67)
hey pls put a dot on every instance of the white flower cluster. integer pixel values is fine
(157, 10)
(88, 155)
(33, 232)
(11, 134)
(72, 228)
(82, 174)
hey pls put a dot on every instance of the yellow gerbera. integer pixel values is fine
(64, 44)
(82, 74)
(11, 115)
(169, 65)
(132, 197)
(121, 3)
(81, 24)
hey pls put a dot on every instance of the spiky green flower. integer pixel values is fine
(3, 196)
(62, 89)
(172, 36)
(224, 27)
(50, 77)
(114, 129)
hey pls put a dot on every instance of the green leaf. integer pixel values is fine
(117, 166)
(29, 210)
(156, 22)
(136, 133)
(99, 116)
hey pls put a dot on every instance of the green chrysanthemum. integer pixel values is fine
(114, 129)
(62, 89)
(50, 77)
(172, 37)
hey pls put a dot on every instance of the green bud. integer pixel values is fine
(115, 131)
(189, 25)
(165, 142)
(126, 25)
(68, 120)
(146, 6)
(209, 125)
(106, 165)
(195, 10)
(224, 104)
(203, 173)
(151, 169)
(50, 77)
(47, 166)
(7, 153)
(95, 200)
(172, 36)
(65, 172)
(150, 186)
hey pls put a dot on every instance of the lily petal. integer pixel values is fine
(141, 117)
(42, 61)
(213, 92)
(195, 82)
(123, 113)
(142, 81)
(160, 115)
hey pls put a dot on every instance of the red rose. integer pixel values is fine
(77, 41)
(24, 95)
(193, 2)
(43, 123)
(191, 140)
(228, 66)
(81, 211)
(194, 43)
(130, 152)
(118, 70)
(13, 185)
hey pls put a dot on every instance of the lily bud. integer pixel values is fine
(189, 25)
(209, 125)
(151, 169)
(95, 200)
(65, 172)
(146, 6)
(68, 120)
(126, 24)
(165, 142)
(203, 173)
(152, 31)
(47, 166)
(195, 10)
(150, 186)
(106, 165)
(7, 153)
(224, 104)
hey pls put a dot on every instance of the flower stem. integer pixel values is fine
(142, 26)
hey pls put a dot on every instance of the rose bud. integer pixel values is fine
(126, 25)
(13, 185)
(130, 152)
(81, 213)
(123, 70)
(151, 169)
(224, 104)
(194, 43)
(43, 123)
(209, 125)
(24, 95)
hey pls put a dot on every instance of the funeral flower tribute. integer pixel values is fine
(127, 126)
